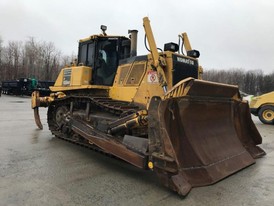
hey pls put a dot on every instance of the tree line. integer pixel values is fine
(31, 59)
(251, 82)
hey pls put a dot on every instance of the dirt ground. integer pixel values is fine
(38, 169)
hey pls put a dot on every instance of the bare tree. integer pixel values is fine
(1, 57)
(1, 50)
(31, 56)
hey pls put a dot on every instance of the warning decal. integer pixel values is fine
(152, 77)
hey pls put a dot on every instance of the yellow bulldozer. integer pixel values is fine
(152, 111)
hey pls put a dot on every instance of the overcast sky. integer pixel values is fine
(228, 33)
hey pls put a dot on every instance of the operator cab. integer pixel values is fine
(102, 53)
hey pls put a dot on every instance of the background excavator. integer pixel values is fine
(152, 111)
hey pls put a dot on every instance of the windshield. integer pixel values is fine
(107, 61)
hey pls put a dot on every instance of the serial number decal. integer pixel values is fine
(186, 61)
(67, 77)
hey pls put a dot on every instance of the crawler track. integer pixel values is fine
(104, 104)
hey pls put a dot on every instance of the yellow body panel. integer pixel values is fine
(75, 77)
(136, 82)
(58, 89)
(123, 93)
(265, 99)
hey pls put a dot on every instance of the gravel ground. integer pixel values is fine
(38, 169)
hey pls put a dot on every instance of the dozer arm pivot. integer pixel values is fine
(158, 62)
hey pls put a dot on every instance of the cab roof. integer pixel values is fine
(98, 36)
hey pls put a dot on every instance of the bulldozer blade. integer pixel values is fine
(37, 118)
(199, 140)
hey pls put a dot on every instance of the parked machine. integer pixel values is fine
(152, 111)
(21, 86)
(25, 86)
(263, 107)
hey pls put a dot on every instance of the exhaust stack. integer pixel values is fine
(133, 46)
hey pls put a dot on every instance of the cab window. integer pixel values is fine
(107, 61)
